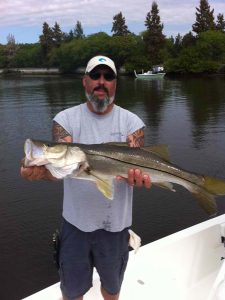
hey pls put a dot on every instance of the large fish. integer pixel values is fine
(102, 162)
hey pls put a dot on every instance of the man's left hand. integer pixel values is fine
(136, 178)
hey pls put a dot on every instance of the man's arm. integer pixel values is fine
(136, 139)
(135, 176)
(59, 134)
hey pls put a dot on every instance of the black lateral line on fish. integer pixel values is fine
(150, 168)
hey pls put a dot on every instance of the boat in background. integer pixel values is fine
(157, 72)
(187, 265)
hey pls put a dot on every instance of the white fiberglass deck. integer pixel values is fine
(186, 265)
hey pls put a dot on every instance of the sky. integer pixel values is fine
(24, 18)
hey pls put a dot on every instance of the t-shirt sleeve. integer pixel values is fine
(133, 123)
(63, 119)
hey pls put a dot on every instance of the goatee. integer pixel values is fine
(98, 105)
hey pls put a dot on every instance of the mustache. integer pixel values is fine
(101, 87)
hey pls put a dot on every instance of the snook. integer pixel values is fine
(102, 162)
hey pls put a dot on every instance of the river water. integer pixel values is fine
(187, 114)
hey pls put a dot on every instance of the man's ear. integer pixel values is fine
(84, 81)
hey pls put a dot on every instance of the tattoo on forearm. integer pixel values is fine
(136, 139)
(59, 133)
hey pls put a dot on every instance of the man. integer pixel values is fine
(95, 230)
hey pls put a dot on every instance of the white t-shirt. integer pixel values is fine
(84, 205)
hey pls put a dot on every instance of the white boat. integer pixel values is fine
(187, 265)
(149, 75)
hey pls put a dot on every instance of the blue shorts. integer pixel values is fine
(81, 251)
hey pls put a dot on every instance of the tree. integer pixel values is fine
(188, 40)
(28, 55)
(78, 31)
(46, 39)
(204, 18)
(3, 58)
(178, 43)
(57, 35)
(10, 50)
(119, 27)
(220, 23)
(154, 38)
(205, 55)
(68, 37)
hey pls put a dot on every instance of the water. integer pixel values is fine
(186, 114)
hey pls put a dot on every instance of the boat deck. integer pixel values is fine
(186, 265)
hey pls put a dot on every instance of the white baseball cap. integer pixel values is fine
(100, 60)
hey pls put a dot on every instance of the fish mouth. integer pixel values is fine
(34, 154)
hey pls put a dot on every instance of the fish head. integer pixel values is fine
(68, 158)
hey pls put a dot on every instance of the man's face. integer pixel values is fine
(100, 87)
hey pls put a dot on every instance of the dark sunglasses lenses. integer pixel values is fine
(107, 76)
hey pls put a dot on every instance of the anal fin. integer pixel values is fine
(165, 185)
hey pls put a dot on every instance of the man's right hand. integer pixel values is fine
(36, 173)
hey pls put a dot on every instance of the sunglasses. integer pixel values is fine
(97, 75)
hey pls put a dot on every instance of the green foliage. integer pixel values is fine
(78, 31)
(220, 22)
(188, 40)
(126, 51)
(57, 35)
(28, 55)
(211, 45)
(120, 49)
(204, 52)
(46, 39)
(153, 37)
(137, 59)
(152, 21)
(70, 55)
(11, 49)
(3, 58)
(206, 55)
(119, 27)
(76, 53)
(96, 44)
(204, 18)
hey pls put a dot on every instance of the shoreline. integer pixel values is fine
(47, 71)
(81, 71)
(30, 71)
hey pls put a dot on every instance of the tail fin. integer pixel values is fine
(210, 187)
(206, 201)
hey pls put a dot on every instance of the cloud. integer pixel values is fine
(93, 13)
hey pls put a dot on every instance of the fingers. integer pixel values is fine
(136, 178)
(147, 181)
(33, 173)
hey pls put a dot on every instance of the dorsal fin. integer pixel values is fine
(160, 150)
